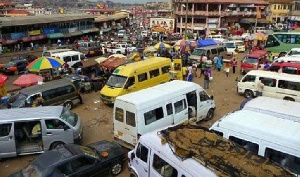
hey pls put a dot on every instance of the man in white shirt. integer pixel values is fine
(260, 87)
(190, 73)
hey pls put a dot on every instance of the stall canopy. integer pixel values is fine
(207, 42)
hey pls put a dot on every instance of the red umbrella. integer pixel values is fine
(3, 79)
(27, 80)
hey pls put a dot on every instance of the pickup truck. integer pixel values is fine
(119, 49)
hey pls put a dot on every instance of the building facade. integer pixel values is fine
(218, 14)
(294, 15)
(279, 11)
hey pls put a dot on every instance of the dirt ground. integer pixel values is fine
(97, 117)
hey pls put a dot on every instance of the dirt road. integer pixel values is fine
(97, 117)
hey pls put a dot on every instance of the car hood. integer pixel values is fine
(112, 148)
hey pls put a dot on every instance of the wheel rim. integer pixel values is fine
(68, 105)
(248, 94)
(116, 169)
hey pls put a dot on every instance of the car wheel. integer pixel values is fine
(16, 72)
(248, 94)
(56, 145)
(116, 168)
(68, 105)
(210, 114)
(118, 52)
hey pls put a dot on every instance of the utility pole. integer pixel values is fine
(186, 14)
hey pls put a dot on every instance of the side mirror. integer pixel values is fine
(211, 97)
(132, 156)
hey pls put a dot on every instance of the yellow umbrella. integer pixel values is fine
(162, 45)
(150, 49)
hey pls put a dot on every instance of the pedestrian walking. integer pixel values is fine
(194, 66)
(227, 68)
(259, 87)
(44, 48)
(219, 63)
(215, 62)
(234, 64)
(206, 80)
(31, 45)
(190, 73)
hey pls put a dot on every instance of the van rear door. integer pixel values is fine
(125, 124)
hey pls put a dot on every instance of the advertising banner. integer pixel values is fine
(167, 23)
(34, 32)
(17, 35)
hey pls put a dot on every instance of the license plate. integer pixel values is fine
(120, 133)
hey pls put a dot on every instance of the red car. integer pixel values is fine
(253, 60)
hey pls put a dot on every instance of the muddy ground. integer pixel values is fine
(97, 117)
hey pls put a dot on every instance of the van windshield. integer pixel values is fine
(69, 117)
(251, 61)
(239, 43)
(18, 100)
(229, 45)
(116, 81)
(199, 52)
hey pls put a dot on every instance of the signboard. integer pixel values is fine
(17, 35)
(34, 32)
(167, 23)
(213, 20)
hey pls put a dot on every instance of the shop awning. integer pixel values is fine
(77, 33)
(34, 38)
(6, 42)
(55, 35)
(91, 30)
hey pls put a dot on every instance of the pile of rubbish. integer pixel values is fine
(220, 155)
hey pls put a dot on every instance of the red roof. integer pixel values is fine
(100, 10)
(6, 4)
(229, 1)
(18, 12)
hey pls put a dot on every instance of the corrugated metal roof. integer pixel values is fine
(256, 2)
(110, 17)
(31, 20)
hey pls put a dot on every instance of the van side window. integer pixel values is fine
(67, 59)
(142, 77)
(221, 49)
(284, 159)
(129, 82)
(142, 153)
(274, 68)
(203, 96)
(75, 58)
(154, 73)
(81, 57)
(130, 118)
(165, 69)
(153, 115)
(169, 109)
(54, 124)
(64, 90)
(119, 114)
(289, 85)
(49, 94)
(180, 106)
(249, 78)
(5, 129)
(214, 51)
(253, 147)
(289, 70)
(163, 168)
(268, 82)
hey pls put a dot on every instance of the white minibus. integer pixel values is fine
(163, 105)
(49, 53)
(263, 134)
(276, 85)
(276, 107)
(71, 57)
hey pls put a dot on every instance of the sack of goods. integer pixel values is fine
(208, 63)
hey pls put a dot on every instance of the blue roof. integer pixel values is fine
(206, 42)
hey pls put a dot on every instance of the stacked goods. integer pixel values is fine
(220, 155)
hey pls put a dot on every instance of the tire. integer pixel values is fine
(56, 145)
(68, 105)
(116, 168)
(210, 114)
(16, 72)
(288, 99)
(249, 94)
(133, 174)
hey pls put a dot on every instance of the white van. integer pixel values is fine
(293, 51)
(26, 131)
(263, 134)
(279, 108)
(163, 105)
(234, 46)
(49, 53)
(71, 57)
(277, 85)
(193, 151)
